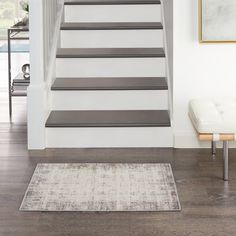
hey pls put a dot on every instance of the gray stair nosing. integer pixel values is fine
(70, 119)
(110, 56)
(114, 2)
(110, 26)
(162, 80)
(108, 53)
(108, 88)
(108, 125)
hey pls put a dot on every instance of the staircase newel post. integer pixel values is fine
(37, 104)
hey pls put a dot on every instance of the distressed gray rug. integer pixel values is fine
(101, 187)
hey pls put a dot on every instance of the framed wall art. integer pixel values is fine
(217, 21)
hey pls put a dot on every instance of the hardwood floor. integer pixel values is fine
(208, 203)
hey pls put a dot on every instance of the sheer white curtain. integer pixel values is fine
(10, 13)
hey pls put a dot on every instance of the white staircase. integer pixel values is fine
(111, 77)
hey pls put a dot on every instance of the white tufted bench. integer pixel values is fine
(215, 120)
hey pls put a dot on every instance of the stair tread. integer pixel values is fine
(111, 26)
(113, 83)
(109, 52)
(110, 2)
(121, 118)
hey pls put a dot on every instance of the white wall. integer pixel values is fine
(200, 70)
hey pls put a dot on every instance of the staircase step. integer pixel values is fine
(148, 83)
(149, 118)
(109, 137)
(90, 100)
(110, 52)
(113, 11)
(110, 67)
(111, 37)
(110, 2)
(112, 26)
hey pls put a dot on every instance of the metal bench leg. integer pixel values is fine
(226, 160)
(213, 148)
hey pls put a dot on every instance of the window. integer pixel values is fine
(10, 13)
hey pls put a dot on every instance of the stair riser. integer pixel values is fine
(113, 13)
(111, 38)
(110, 100)
(108, 137)
(111, 67)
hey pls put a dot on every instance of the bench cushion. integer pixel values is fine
(215, 116)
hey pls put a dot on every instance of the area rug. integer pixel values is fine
(101, 187)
